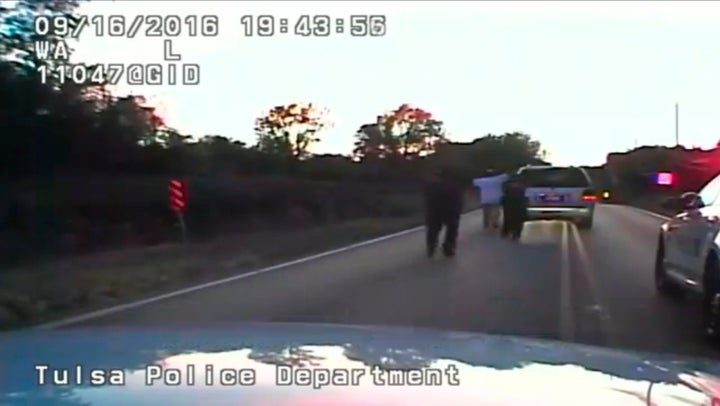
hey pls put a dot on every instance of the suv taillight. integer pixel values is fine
(589, 196)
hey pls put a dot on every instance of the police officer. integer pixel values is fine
(514, 205)
(443, 207)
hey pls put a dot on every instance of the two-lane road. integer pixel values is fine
(592, 287)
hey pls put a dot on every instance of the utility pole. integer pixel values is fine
(677, 125)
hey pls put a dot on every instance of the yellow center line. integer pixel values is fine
(588, 272)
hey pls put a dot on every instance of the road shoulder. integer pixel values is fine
(64, 288)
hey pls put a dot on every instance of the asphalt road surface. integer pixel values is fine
(594, 287)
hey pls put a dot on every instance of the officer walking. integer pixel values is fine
(514, 205)
(443, 207)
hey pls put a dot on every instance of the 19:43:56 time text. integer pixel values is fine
(313, 25)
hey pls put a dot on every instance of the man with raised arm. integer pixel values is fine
(490, 193)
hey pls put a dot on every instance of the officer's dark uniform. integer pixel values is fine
(443, 207)
(514, 205)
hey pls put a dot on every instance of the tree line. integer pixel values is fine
(65, 127)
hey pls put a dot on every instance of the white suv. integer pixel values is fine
(688, 252)
(559, 193)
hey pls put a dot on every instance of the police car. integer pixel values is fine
(559, 193)
(688, 252)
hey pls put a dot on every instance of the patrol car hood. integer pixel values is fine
(117, 366)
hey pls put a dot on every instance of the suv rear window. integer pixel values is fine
(554, 177)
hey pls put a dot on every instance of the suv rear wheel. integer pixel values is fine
(585, 223)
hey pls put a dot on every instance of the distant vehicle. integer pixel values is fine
(687, 258)
(305, 364)
(559, 193)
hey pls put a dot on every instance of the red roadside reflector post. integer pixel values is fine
(179, 202)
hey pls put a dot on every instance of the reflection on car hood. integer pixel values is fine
(391, 367)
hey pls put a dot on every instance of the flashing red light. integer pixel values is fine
(665, 178)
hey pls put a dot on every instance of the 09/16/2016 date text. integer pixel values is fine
(313, 25)
(129, 27)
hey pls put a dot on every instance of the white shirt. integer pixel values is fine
(490, 188)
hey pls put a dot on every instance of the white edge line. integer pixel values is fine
(115, 309)
(566, 317)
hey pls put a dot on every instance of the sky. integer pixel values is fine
(583, 78)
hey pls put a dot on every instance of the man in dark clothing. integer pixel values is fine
(514, 205)
(443, 207)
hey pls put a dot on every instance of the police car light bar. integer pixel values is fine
(665, 178)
